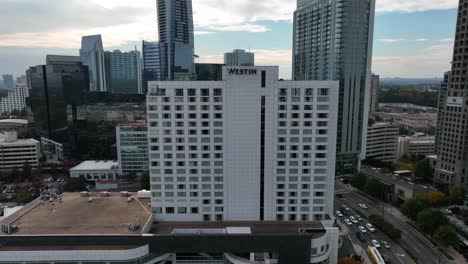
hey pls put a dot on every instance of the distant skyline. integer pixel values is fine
(413, 38)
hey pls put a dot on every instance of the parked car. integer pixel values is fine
(353, 219)
(370, 227)
(348, 222)
(376, 243)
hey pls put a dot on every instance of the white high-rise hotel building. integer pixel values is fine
(248, 147)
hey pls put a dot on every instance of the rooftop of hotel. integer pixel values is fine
(76, 215)
(96, 165)
(314, 228)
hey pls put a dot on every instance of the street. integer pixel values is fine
(411, 240)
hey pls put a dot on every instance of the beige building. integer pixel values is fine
(382, 141)
(419, 144)
(14, 152)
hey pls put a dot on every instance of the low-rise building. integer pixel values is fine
(132, 148)
(95, 171)
(418, 144)
(14, 152)
(119, 228)
(382, 142)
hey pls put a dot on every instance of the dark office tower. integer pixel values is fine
(209, 71)
(8, 80)
(151, 63)
(175, 23)
(59, 84)
(333, 40)
(92, 55)
(452, 152)
(123, 72)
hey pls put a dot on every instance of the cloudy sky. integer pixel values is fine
(413, 38)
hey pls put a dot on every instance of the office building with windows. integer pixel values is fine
(274, 140)
(452, 153)
(176, 41)
(62, 82)
(151, 63)
(333, 40)
(15, 100)
(209, 71)
(374, 93)
(92, 55)
(239, 57)
(8, 80)
(132, 148)
(14, 152)
(124, 72)
(382, 142)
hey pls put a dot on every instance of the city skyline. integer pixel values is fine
(260, 27)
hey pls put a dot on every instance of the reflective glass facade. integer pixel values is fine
(123, 72)
(333, 41)
(175, 24)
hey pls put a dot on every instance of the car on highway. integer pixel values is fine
(348, 222)
(359, 218)
(338, 213)
(385, 245)
(346, 208)
(375, 243)
(370, 227)
(363, 206)
(353, 219)
(360, 236)
(362, 229)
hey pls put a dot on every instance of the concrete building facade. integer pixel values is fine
(418, 144)
(374, 93)
(333, 40)
(452, 153)
(15, 100)
(239, 57)
(14, 152)
(382, 142)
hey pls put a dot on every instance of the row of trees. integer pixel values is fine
(373, 187)
(392, 232)
(425, 212)
(408, 94)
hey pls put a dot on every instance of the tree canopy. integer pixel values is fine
(429, 220)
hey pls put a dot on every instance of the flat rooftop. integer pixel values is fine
(97, 165)
(242, 227)
(76, 215)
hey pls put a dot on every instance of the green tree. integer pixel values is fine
(145, 181)
(456, 195)
(24, 196)
(376, 189)
(414, 206)
(429, 220)
(424, 170)
(359, 181)
(446, 236)
(435, 198)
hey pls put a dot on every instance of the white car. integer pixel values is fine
(359, 218)
(353, 219)
(386, 245)
(338, 213)
(376, 243)
(370, 227)
(363, 206)
(348, 222)
(346, 208)
(362, 229)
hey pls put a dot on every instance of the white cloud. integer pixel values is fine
(391, 40)
(204, 32)
(446, 40)
(431, 62)
(422, 39)
(409, 6)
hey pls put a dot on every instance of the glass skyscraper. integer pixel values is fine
(175, 23)
(151, 63)
(92, 55)
(333, 40)
(123, 72)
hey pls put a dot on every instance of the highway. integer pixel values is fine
(411, 240)
(396, 254)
